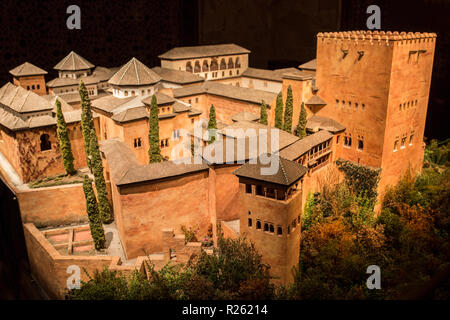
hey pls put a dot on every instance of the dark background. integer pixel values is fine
(280, 33)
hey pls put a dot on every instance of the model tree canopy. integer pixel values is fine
(154, 151)
(288, 111)
(263, 114)
(64, 141)
(301, 126)
(87, 121)
(95, 224)
(279, 112)
(100, 185)
(212, 124)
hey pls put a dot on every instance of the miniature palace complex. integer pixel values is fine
(366, 96)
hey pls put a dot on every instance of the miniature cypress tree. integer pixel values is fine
(95, 224)
(301, 127)
(154, 152)
(288, 111)
(100, 185)
(64, 142)
(279, 112)
(263, 114)
(87, 121)
(212, 124)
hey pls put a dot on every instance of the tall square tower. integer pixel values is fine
(377, 85)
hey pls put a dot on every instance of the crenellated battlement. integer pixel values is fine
(387, 37)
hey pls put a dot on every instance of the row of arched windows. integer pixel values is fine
(213, 66)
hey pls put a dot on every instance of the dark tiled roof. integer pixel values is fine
(194, 112)
(125, 168)
(287, 174)
(225, 90)
(134, 73)
(73, 62)
(177, 76)
(27, 69)
(322, 123)
(244, 116)
(179, 53)
(310, 65)
(300, 147)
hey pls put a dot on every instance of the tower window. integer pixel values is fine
(403, 143)
(396, 145)
(360, 144)
(279, 230)
(356, 105)
(45, 142)
(266, 227)
(337, 139)
(348, 141)
(411, 137)
(38, 86)
(272, 229)
(248, 188)
(250, 222)
(137, 142)
(363, 106)
(258, 224)
(337, 102)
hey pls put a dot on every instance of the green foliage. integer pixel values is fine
(279, 112)
(263, 114)
(408, 240)
(233, 271)
(190, 234)
(301, 126)
(438, 153)
(87, 121)
(95, 224)
(212, 124)
(100, 185)
(64, 141)
(360, 178)
(154, 152)
(288, 111)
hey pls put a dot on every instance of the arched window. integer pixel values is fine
(223, 64)
(126, 93)
(197, 67)
(238, 63)
(205, 66)
(45, 142)
(230, 64)
(133, 93)
(188, 66)
(214, 65)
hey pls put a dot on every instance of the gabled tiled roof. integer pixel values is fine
(300, 147)
(179, 53)
(131, 114)
(161, 99)
(244, 116)
(125, 168)
(73, 62)
(322, 123)
(21, 100)
(134, 73)
(228, 91)
(287, 174)
(27, 69)
(310, 65)
(177, 76)
(315, 101)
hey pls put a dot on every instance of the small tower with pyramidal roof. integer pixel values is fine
(74, 66)
(134, 78)
(30, 77)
